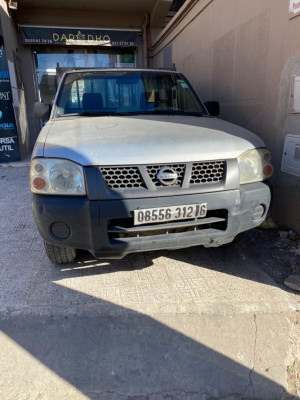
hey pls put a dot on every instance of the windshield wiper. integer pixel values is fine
(171, 112)
(83, 113)
(141, 112)
(96, 113)
(191, 113)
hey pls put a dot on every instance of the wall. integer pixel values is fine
(243, 53)
(84, 18)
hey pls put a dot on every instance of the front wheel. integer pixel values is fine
(60, 254)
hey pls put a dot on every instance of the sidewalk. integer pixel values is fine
(197, 324)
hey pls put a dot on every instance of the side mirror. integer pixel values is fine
(41, 110)
(213, 107)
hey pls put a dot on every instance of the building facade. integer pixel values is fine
(244, 54)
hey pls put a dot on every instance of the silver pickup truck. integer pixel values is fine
(131, 160)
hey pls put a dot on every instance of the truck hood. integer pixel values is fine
(123, 140)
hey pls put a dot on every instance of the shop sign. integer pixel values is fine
(9, 143)
(73, 36)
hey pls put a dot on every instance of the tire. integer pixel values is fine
(59, 254)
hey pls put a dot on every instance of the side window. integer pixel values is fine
(128, 95)
(185, 98)
(77, 91)
(83, 93)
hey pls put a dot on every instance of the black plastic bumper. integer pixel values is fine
(84, 224)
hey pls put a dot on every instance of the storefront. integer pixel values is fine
(56, 50)
(9, 141)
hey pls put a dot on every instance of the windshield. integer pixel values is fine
(126, 92)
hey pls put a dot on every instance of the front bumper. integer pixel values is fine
(105, 227)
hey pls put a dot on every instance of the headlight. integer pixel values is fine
(255, 165)
(58, 177)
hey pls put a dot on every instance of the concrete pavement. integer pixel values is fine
(200, 324)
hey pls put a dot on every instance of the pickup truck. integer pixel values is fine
(132, 160)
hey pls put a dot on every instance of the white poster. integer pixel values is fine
(294, 6)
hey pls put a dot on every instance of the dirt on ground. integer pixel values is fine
(277, 249)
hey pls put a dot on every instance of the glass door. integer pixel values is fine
(49, 63)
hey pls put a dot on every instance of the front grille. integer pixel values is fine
(207, 172)
(135, 177)
(124, 228)
(122, 177)
(154, 169)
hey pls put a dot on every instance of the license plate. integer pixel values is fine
(173, 213)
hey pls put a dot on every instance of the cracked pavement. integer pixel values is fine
(192, 324)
